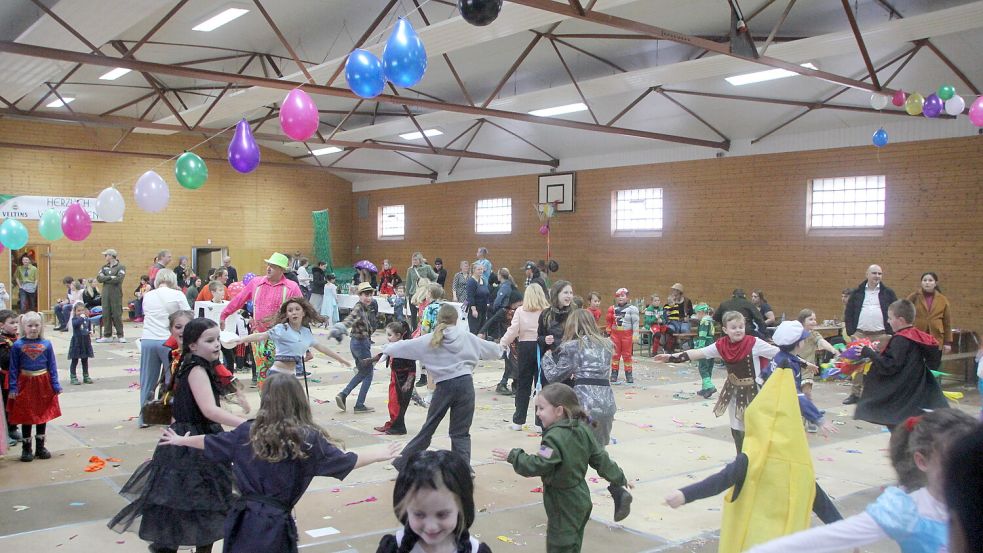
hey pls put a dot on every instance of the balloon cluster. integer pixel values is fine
(931, 106)
(404, 61)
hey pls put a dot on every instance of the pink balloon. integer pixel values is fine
(76, 223)
(298, 115)
(235, 288)
(544, 230)
(976, 112)
(899, 98)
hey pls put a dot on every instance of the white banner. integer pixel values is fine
(31, 207)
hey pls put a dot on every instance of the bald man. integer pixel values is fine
(866, 317)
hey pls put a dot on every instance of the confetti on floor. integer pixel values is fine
(370, 499)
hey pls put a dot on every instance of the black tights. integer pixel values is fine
(25, 430)
(85, 366)
(738, 439)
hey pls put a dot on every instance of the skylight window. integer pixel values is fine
(225, 16)
(762, 76)
(418, 136)
(559, 110)
(326, 151)
(59, 103)
(115, 74)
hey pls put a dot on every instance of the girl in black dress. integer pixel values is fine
(434, 499)
(80, 348)
(180, 497)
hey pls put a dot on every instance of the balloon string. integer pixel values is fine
(377, 38)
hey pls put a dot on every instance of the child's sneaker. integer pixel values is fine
(104, 340)
(340, 400)
(516, 427)
(363, 409)
(86, 380)
(75, 380)
(622, 501)
(422, 402)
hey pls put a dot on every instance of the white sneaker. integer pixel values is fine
(516, 427)
(104, 340)
(122, 340)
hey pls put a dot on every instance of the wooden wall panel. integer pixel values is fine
(729, 222)
(253, 215)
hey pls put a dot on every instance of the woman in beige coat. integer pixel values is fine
(932, 313)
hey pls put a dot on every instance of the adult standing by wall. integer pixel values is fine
(111, 277)
(438, 267)
(161, 262)
(535, 276)
(267, 293)
(932, 311)
(752, 315)
(476, 297)
(158, 304)
(26, 280)
(318, 280)
(182, 272)
(482, 255)
(233, 274)
(866, 317)
(461, 281)
(304, 278)
(418, 269)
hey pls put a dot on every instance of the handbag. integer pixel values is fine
(158, 411)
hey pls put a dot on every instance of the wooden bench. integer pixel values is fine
(968, 365)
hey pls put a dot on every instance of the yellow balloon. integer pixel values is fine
(913, 105)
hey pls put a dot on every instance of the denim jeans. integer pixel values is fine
(457, 396)
(28, 300)
(63, 312)
(678, 327)
(154, 356)
(363, 376)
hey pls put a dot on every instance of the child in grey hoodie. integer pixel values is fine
(450, 356)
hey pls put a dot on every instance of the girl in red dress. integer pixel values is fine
(34, 386)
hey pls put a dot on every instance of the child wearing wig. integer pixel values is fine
(913, 515)
(274, 458)
(567, 449)
(744, 356)
(434, 500)
(450, 356)
(290, 331)
(34, 386)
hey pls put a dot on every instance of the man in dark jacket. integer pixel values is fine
(752, 315)
(866, 317)
(535, 276)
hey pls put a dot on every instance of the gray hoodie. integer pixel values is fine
(456, 356)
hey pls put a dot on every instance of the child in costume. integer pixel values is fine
(655, 321)
(274, 458)
(594, 306)
(744, 356)
(705, 335)
(290, 331)
(914, 515)
(622, 322)
(567, 449)
(402, 375)
(790, 337)
(900, 383)
(434, 500)
(585, 358)
(810, 346)
(34, 386)
(450, 355)
(772, 484)
(329, 304)
(524, 328)
(362, 321)
(80, 348)
(398, 301)
(8, 335)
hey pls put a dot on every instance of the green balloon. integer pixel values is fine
(190, 171)
(49, 227)
(946, 91)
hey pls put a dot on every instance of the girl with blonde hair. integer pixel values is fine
(525, 326)
(450, 354)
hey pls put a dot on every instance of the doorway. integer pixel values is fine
(206, 258)
(40, 255)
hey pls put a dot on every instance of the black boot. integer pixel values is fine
(622, 501)
(629, 378)
(614, 375)
(41, 452)
(423, 380)
(27, 455)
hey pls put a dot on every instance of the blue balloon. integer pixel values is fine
(404, 58)
(13, 234)
(363, 71)
(880, 138)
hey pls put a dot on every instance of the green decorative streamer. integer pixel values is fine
(322, 237)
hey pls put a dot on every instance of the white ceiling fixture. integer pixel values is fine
(418, 136)
(114, 74)
(326, 151)
(762, 76)
(59, 103)
(559, 110)
(223, 17)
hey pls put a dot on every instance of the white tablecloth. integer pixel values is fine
(347, 301)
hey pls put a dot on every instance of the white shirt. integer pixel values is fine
(158, 304)
(304, 277)
(871, 316)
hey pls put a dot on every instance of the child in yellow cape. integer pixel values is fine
(772, 483)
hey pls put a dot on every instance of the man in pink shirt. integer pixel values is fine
(267, 294)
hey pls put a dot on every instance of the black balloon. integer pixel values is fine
(479, 12)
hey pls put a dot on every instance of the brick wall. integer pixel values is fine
(253, 215)
(730, 222)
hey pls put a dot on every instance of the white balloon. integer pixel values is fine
(955, 105)
(878, 101)
(151, 192)
(110, 205)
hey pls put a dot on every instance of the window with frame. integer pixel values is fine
(493, 216)
(636, 212)
(392, 222)
(847, 203)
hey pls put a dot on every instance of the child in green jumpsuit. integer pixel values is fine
(705, 335)
(567, 449)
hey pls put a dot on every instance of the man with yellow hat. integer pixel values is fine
(267, 294)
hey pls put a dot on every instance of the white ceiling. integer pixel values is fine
(322, 33)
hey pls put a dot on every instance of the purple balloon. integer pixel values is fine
(243, 150)
(933, 106)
